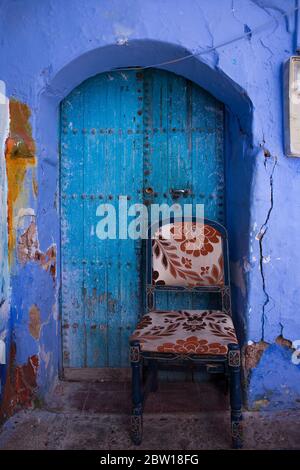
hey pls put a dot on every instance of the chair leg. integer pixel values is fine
(226, 385)
(145, 372)
(234, 364)
(137, 399)
(154, 370)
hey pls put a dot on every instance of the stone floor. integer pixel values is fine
(182, 416)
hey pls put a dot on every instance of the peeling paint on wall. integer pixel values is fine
(20, 155)
(253, 353)
(47, 260)
(34, 321)
(21, 384)
(28, 250)
(267, 364)
(28, 244)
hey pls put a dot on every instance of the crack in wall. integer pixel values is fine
(267, 48)
(266, 6)
(211, 36)
(261, 234)
(281, 328)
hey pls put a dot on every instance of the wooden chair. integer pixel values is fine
(189, 256)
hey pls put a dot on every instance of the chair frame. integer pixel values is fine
(229, 364)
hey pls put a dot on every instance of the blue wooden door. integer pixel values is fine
(139, 134)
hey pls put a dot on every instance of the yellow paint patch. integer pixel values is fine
(19, 155)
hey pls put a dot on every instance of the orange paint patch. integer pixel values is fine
(26, 381)
(19, 155)
(34, 321)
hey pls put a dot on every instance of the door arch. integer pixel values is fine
(138, 134)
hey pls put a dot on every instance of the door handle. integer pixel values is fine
(176, 193)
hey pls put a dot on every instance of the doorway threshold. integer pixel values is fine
(97, 374)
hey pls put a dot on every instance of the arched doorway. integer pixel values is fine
(139, 134)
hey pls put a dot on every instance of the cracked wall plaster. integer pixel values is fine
(260, 236)
(272, 376)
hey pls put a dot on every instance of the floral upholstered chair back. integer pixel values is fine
(187, 254)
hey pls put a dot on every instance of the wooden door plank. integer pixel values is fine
(73, 328)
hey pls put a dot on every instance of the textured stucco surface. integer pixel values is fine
(80, 416)
(45, 430)
(47, 48)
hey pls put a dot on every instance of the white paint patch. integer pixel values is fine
(2, 93)
(267, 259)
(55, 310)
(23, 213)
(122, 34)
(45, 356)
(2, 352)
(3, 347)
(250, 343)
(258, 236)
(122, 41)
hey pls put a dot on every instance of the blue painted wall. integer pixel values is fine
(49, 47)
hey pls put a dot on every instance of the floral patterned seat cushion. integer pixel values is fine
(187, 254)
(197, 332)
